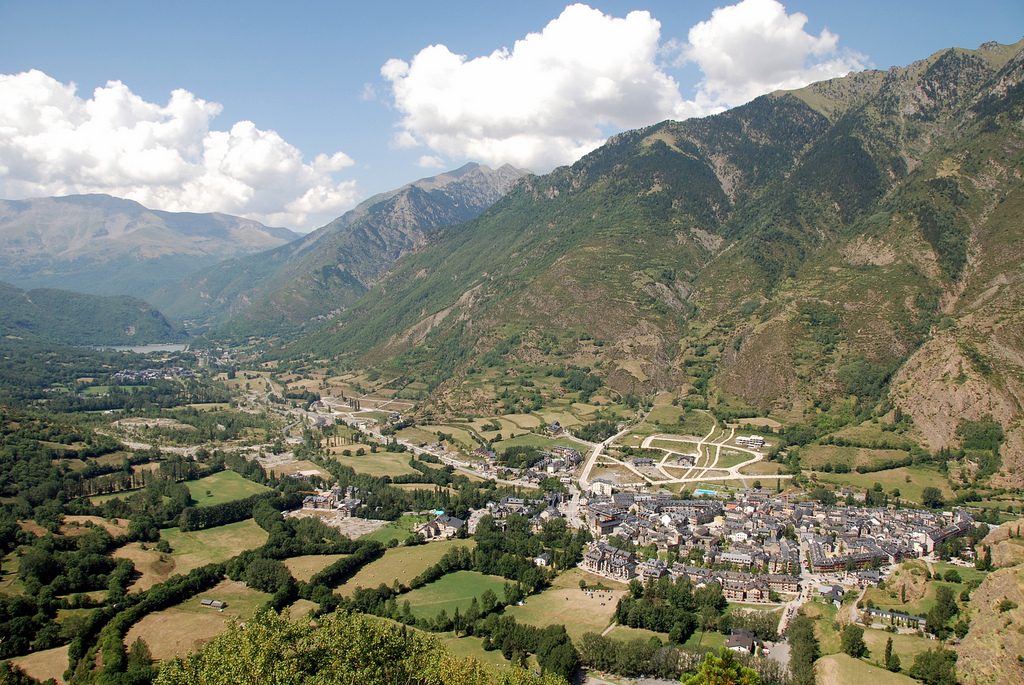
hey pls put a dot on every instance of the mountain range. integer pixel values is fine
(854, 244)
(107, 245)
(327, 270)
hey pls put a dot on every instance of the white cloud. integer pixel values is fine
(754, 47)
(430, 162)
(556, 93)
(53, 142)
(542, 103)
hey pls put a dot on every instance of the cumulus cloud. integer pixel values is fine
(54, 142)
(430, 162)
(754, 47)
(545, 101)
(556, 94)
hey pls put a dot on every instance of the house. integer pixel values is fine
(832, 593)
(603, 559)
(443, 527)
(543, 559)
(741, 641)
(554, 428)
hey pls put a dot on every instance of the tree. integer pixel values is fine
(932, 497)
(935, 667)
(852, 641)
(891, 661)
(804, 650)
(722, 669)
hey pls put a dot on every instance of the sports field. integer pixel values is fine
(453, 591)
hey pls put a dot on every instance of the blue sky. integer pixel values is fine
(312, 73)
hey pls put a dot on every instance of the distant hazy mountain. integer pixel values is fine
(106, 245)
(58, 316)
(331, 267)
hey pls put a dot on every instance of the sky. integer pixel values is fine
(291, 113)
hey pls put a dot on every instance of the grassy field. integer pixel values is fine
(401, 564)
(824, 616)
(840, 669)
(819, 455)
(79, 525)
(300, 609)
(579, 611)
(192, 549)
(539, 441)
(189, 625)
(452, 591)
(224, 486)
(42, 666)
(709, 640)
(379, 464)
(471, 647)
(906, 647)
(627, 633)
(910, 480)
(305, 567)
(397, 530)
(727, 458)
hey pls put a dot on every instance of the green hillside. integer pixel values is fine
(317, 276)
(800, 256)
(60, 316)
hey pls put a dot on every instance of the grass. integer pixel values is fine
(189, 625)
(397, 530)
(50, 663)
(401, 564)
(455, 590)
(819, 455)
(305, 567)
(841, 669)
(824, 616)
(729, 458)
(472, 647)
(564, 603)
(906, 647)
(192, 549)
(224, 486)
(538, 441)
(705, 640)
(379, 464)
(911, 481)
(626, 633)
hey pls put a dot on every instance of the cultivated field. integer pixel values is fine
(305, 567)
(221, 487)
(453, 591)
(50, 663)
(189, 625)
(379, 464)
(581, 611)
(401, 564)
(193, 549)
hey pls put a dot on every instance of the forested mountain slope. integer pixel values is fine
(850, 246)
